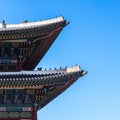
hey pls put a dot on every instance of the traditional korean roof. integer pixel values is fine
(30, 29)
(22, 46)
(29, 88)
(36, 79)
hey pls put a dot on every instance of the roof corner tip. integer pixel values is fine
(84, 73)
(67, 22)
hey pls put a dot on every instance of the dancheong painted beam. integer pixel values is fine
(24, 91)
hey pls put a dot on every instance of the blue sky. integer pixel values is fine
(91, 40)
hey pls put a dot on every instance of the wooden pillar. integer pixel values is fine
(34, 115)
(19, 67)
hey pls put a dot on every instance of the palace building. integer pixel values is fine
(23, 90)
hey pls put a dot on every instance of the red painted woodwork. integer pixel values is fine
(34, 115)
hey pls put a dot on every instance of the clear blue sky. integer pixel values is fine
(91, 40)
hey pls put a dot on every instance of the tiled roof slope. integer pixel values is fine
(30, 29)
(34, 79)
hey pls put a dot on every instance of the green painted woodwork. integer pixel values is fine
(13, 109)
(15, 114)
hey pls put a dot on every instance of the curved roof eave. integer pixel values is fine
(32, 24)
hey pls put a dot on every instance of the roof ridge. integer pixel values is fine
(31, 24)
